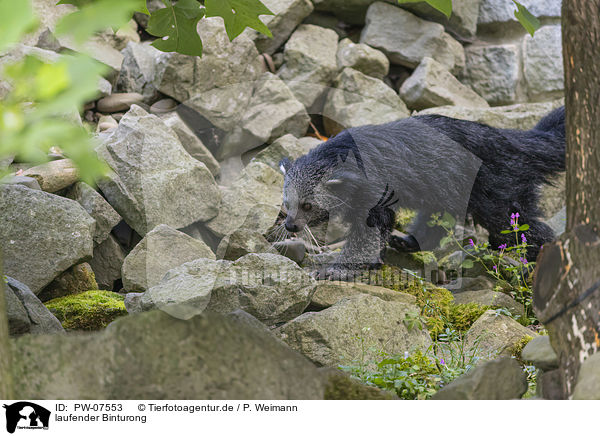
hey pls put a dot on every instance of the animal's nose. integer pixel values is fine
(291, 227)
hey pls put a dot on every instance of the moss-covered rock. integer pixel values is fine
(91, 310)
(75, 280)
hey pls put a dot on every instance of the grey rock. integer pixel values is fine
(217, 85)
(553, 196)
(489, 297)
(106, 123)
(355, 328)
(495, 335)
(97, 207)
(242, 242)
(310, 64)
(54, 175)
(540, 353)
(350, 11)
(151, 171)
(588, 380)
(543, 64)
(272, 112)
(292, 248)
(268, 286)
(252, 202)
(42, 321)
(77, 279)
(500, 12)
(42, 234)
(558, 223)
(154, 356)
(119, 102)
(288, 14)
(104, 87)
(287, 146)
(492, 71)
(141, 63)
(192, 144)
(246, 320)
(329, 293)
(133, 302)
(161, 250)
(106, 263)
(28, 182)
(18, 321)
(432, 85)
(522, 116)
(362, 58)
(358, 99)
(329, 21)
(406, 39)
(164, 106)
(462, 22)
(499, 379)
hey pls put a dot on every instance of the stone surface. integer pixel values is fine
(164, 106)
(272, 112)
(329, 293)
(519, 116)
(162, 249)
(287, 146)
(495, 335)
(357, 100)
(268, 286)
(252, 202)
(406, 39)
(539, 352)
(139, 70)
(155, 181)
(242, 242)
(42, 235)
(588, 381)
(355, 328)
(18, 321)
(310, 64)
(192, 144)
(553, 196)
(153, 356)
(28, 182)
(362, 58)
(105, 123)
(492, 71)
(41, 321)
(499, 379)
(106, 263)
(288, 14)
(462, 22)
(432, 85)
(217, 85)
(119, 102)
(97, 207)
(489, 297)
(543, 64)
(500, 12)
(54, 175)
(350, 11)
(75, 280)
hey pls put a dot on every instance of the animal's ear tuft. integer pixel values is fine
(284, 165)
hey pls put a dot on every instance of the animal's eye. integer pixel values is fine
(306, 206)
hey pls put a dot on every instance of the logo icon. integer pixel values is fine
(26, 415)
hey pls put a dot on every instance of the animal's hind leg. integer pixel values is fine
(420, 235)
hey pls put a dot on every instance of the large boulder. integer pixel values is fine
(154, 356)
(432, 85)
(155, 181)
(98, 208)
(462, 22)
(268, 286)
(358, 99)
(493, 71)
(356, 328)
(272, 112)
(162, 249)
(329, 293)
(496, 13)
(543, 64)
(499, 379)
(539, 352)
(107, 262)
(362, 58)
(310, 63)
(42, 235)
(218, 85)
(522, 116)
(287, 15)
(252, 202)
(141, 63)
(406, 39)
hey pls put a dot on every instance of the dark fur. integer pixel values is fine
(431, 164)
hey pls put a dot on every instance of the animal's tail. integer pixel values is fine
(547, 150)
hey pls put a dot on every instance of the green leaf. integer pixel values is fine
(96, 16)
(467, 264)
(444, 6)
(526, 18)
(176, 25)
(505, 232)
(524, 227)
(448, 220)
(17, 19)
(239, 14)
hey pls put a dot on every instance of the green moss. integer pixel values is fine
(91, 310)
(517, 348)
(342, 387)
(403, 218)
(462, 316)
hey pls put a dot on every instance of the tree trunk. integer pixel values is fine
(567, 285)
(5, 358)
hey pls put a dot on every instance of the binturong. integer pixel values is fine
(431, 164)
